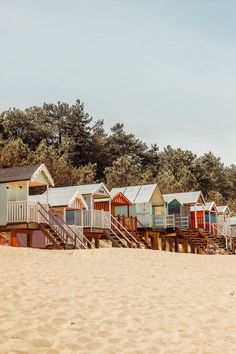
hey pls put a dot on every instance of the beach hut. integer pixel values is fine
(63, 200)
(16, 186)
(179, 206)
(146, 201)
(233, 226)
(233, 222)
(18, 214)
(118, 202)
(223, 215)
(209, 213)
(77, 204)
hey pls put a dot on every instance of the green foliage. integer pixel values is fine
(86, 174)
(14, 153)
(78, 150)
(123, 172)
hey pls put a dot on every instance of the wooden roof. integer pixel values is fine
(14, 174)
(189, 198)
(23, 173)
(137, 194)
(120, 199)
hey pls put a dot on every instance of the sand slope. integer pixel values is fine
(116, 301)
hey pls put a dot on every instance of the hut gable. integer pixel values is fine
(189, 198)
(60, 197)
(223, 209)
(66, 196)
(208, 207)
(142, 194)
(37, 174)
(120, 199)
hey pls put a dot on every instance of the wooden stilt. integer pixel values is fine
(176, 244)
(192, 248)
(184, 246)
(154, 243)
(157, 242)
(163, 246)
(170, 244)
(97, 242)
(14, 242)
(29, 239)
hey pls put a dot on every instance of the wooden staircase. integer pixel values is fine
(58, 232)
(135, 239)
(194, 239)
(115, 239)
(202, 239)
(4, 239)
(144, 242)
(52, 236)
(218, 242)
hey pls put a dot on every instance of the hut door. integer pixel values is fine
(3, 204)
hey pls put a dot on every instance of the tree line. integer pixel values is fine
(78, 150)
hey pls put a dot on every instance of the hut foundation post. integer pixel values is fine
(170, 244)
(29, 239)
(176, 244)
(97, 245)
(163, 246)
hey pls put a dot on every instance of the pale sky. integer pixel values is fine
(166, 68)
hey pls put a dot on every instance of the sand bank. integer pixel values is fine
(116, 301)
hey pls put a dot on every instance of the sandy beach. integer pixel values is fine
(116, 301)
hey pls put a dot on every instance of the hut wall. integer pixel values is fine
(16, 192)
(102, 206)
(3, 204)
(157, 199)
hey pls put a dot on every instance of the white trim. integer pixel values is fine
(99, 186)
(78, 196)
(40, 169)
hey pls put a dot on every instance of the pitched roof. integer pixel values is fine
(58, 197)
(136, 194)
(209, 206)
(63, 196)
(14, 174)
(223, 209)
(23, 173)
(118, 198)
(233, 220)
(184, 198)
(83, 189)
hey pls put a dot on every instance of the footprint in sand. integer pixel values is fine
(103, 333)
(93, 345)
(40, 343)
(58, 321)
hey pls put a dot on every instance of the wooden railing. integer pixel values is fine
(124, 230)
(63, 230)
(170, 221)
(218, 231)
(93, 218)
(129, 222)
(118, 230)
(17, 211)
(22, 211)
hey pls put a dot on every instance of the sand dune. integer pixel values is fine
(116, 301)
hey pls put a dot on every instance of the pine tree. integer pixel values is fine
(14, 153)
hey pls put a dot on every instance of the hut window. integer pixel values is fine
(70, 217)
(174, 209)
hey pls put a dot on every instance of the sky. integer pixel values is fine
(165, 68)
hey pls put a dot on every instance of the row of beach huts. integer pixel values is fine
(33, 213)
